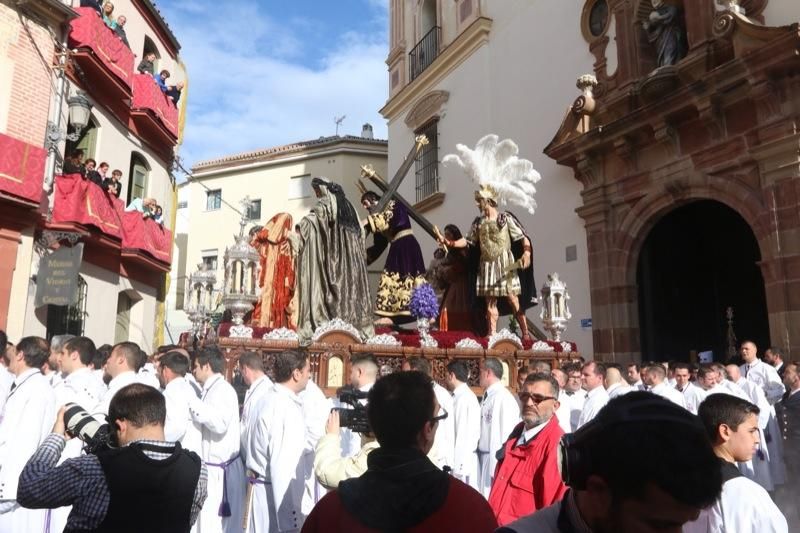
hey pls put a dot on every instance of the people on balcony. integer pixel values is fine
(112, 184)
(146, 206)
(108, 15)
(158, 216)
(146, 65)
(73, 163)
(120, 29)
(91, 174)
(174, 91)
(161, 80)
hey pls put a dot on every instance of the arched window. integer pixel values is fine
(150, 47)
(427, 16)
(63, 319)
(87, 140)
(427, 48)
(137, 176)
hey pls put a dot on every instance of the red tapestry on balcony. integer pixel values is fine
(147, 95)
(144, 234)
(80, 201)
(21, 168)
(89, 31)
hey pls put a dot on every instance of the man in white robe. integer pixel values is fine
(217, 414)
(444, 442)
(592, 375)
(692, 394)
(122, 366)
(743, 506)
(25, 420)
(633, 376)
(251, 368)
(467, 424)
(615, 384)
(178, 395)
(575, 395)
(52, 371)
(499, 417)
(563, 413)
(275, 466)
(766, 376)
(655, 379)
(316, 409)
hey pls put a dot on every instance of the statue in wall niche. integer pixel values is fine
(665, 29)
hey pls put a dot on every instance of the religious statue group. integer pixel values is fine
(316, 271)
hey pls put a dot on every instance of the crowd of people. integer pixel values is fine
(600, 447)
(89, 170)
(117, 25)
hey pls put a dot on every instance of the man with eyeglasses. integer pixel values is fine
(527, 476)
(402, 490)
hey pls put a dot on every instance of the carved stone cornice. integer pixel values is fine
(426, 108)
(745, 34)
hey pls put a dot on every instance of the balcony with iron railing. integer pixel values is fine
(424, 53)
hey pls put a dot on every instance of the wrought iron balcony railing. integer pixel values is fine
(424, 53)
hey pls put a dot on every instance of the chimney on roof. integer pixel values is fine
(366, 131)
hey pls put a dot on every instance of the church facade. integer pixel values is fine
(669, 197)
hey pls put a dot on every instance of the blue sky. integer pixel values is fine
(268, 72)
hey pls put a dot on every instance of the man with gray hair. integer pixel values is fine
(499, 416)
(51, 370)
(529, 458)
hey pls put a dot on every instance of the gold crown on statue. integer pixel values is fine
(486, 192)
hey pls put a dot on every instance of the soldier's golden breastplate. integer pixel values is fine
(494, 240)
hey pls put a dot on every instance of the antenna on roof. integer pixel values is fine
(338, 121)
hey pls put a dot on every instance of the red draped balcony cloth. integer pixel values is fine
(148, 95)
(80, 201)
(148, 236)
(21, 168)
(89, 31)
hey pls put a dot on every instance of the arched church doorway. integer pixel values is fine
(698, 260)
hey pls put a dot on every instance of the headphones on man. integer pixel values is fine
(575, 460)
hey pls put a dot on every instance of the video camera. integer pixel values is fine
(354, 418)
(95, 435)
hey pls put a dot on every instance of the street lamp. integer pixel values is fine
(80, 109)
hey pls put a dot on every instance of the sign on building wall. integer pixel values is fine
(57, 281)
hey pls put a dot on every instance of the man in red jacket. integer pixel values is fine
(527, 476)
(402, 490)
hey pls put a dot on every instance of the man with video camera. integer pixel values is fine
(142, 483)
(402, 490)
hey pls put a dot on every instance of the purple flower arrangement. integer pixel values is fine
(424, 303)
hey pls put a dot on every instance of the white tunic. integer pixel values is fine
(275, 455)
(743, 507)
(618, 389)
(596, 399)
(316, 408)
(217, 414)
(767, 377)
(693, 396)
(499, 416)
(467, 431)
(257, 390)
(670, 393)
(121, 380)
(180, 426)
(6, 380)
(444, 440)
(575, 403)
(563, 413)
(25, 420)
(80, 387)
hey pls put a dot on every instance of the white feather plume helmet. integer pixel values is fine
(495, 167)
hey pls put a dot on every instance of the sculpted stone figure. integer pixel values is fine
(664, 28)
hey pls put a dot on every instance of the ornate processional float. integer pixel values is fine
(303, 285)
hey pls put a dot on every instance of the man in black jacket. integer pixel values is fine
(146, 66)
(169, 483)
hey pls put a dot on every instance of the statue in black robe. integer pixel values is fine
(331, 268)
